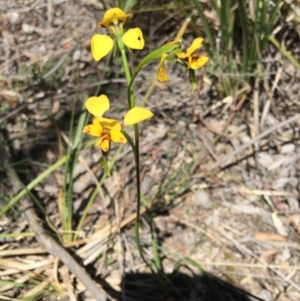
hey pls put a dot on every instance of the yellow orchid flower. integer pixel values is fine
(194, 61)
(114, 17)
(110, 129)
(191, 60)
(102, 44)
(162, 73)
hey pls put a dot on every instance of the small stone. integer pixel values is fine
(264, 159)
(286, 255)
(28, 28)
(287, 148)
(76, 55)
(14, 17)
(202, 199)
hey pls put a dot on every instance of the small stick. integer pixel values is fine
(254, 140)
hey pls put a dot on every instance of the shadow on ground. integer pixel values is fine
(180, 287)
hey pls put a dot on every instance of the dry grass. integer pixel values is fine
(231, 185)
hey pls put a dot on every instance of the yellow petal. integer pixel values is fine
(136, 115)
(93, 130)
(110, 124)
(96, 122)
(113, 16)
(196, 44)
(101, 45)
(97, 105)
(104, 143)
(162, 73)
(133, 38)
(197, 62)
(118, 137)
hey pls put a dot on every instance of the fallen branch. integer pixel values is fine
(58, 251)
(52, 247)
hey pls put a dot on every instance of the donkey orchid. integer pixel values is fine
(114, 18)
(110, 129)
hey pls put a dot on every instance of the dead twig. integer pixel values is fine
(254, 140)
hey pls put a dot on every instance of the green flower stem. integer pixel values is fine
(131, 101)
(138, 186)
(73, 150)
(135, 146)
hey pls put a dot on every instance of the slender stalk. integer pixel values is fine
(131, 100)
(68, 184)
(135, 148)
(138, 186)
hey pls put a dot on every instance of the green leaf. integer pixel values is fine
(109, 261)
(192, 77)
